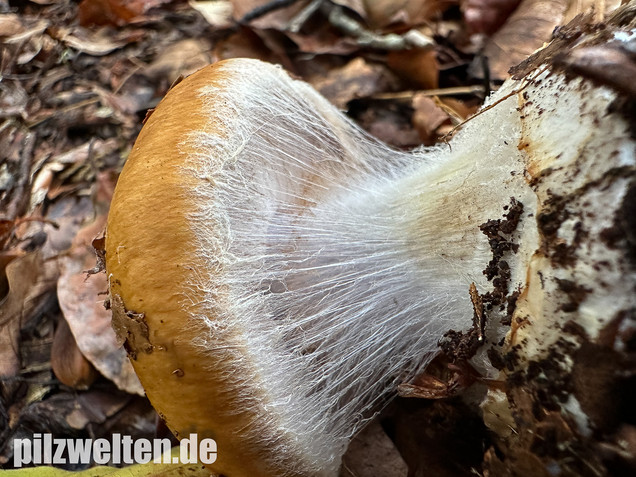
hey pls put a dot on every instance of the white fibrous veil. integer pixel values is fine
(317, 293)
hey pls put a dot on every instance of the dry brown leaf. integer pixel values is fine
(247, 44)
(428, 117)
(486, 16)
(30, 279)
(357, 79)
(114, 12)
(181, 58)
(81, 299)
(107, 12)
(10, 24)
(5, 259)
(530, 26)
(324, 41)
(67, 361)
(33, 29)
(218, 13)
(526, 30)
(418, 65)
(96, 44)
(97, 406)
(277, 20)
(382, 13)
(81, 296)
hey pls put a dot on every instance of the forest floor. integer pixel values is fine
(77, 79)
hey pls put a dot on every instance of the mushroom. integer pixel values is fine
(275, 272)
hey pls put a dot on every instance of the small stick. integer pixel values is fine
(490, 106)
(263, 10)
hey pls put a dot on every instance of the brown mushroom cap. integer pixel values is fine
(150, 265)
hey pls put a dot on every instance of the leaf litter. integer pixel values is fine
(77, 80)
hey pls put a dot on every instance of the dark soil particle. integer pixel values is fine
(498, 232)
(496, 359)
(602, 380)
(549, 221)
(511, 358)
(576, 294)
(511, 306)
(546, 381)
(623, 230)
(458, 345)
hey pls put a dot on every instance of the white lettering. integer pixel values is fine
(207, 451)
(37, 449)
(101, 451)
(42, 448)
(188, 450)
(79, 450)
(48, 449)
(127, 443)
(21, 452)
(115, 457)
(143, 451)
(60, 445)
(161, 448)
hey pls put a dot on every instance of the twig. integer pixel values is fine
(527, 83)
(299, 20)
(263, 10)
(22, 190)
(392, 42)
(407, 95)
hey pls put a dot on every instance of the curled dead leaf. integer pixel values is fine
(357, 79)
(218, 13)
(114, 12)
(81, 298)
(417, 65)
(97, 43)
(428, 118)
(486, 16)
(525, 30)
(10, 25)
(67, 361)
(382, 13)
(530, 26)
(30, 281)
